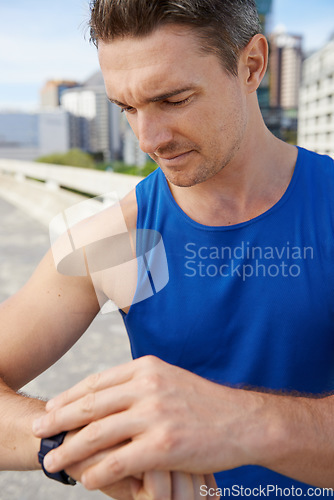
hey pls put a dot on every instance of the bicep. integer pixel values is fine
(42, 321)
(50, 313)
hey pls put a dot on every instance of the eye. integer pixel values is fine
(127, 109)
(179, 103)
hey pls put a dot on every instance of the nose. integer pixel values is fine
(153, 132)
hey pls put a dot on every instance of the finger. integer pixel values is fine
(129, 460)
(79, 468)
(198, 481)
(155, 485)
(135, 486)
(120, 490)
(95, 382)
(97, 436)
(210, 481)
(158, 484)
(182, 486)
(81, 412)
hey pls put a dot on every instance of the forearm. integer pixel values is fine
(18, 446)
(297, 438)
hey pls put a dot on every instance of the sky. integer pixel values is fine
(42, 40)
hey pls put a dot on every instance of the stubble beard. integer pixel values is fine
(204, 171)
(207, 168)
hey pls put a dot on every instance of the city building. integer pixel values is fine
(316, 103)
(51, 92)
(271, 116)
(278, 92)
(94, 121)
(27, 136)
(285, 65)
(19, 135)
(53, 132)
(132, 154)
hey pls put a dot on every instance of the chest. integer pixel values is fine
(252, 310)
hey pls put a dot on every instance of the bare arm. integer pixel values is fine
(38, 325)
(301, 437)
(18, 447)
(44, 319)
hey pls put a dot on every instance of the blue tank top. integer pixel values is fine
(248, 304)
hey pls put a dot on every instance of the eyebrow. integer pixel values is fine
(156, 98)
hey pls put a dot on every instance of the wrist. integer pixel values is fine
(22, 445)
(273, 429)
(288, 430)
(258, 428)
(48, 444)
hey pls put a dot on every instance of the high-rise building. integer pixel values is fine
(52, 91)
(278, 92)
(53, 131)
(132, 154)
(285, 65)
(316, 103)
(271, 116)
(94, 121)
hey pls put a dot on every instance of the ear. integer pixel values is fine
(253, 62)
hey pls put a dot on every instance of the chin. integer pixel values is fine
(179, 179)
(184, 179)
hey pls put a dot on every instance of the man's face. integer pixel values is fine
(188, 114)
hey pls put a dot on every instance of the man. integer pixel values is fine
(244, 327)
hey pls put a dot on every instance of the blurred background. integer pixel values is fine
(53, 105)
(53, 109)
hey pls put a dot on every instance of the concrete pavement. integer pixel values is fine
(23, 241)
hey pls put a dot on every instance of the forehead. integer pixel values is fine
(168, 57)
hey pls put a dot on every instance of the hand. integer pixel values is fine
(160, 484)
(174, 486)
(172, 419)
(151, 485)
(121, 490)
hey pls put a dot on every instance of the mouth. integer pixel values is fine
(173, 160)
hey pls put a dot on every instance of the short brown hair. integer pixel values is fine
(224, 27)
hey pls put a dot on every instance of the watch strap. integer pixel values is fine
(48, 444)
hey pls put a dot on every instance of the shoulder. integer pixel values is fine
(312, 160)
(148, 186)
(143, 192)
(316, 172)
(129, 210)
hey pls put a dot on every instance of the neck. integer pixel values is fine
(251, 183)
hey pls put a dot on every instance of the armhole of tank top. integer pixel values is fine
(139, 197)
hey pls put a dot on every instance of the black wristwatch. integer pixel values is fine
(47, 445)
